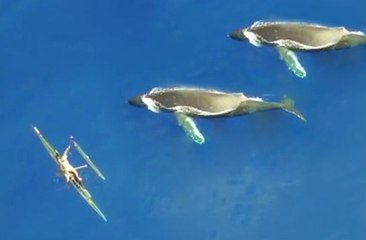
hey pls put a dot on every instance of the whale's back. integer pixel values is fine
(197, 100)
(314, 36)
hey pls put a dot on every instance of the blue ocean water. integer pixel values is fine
(69, 67)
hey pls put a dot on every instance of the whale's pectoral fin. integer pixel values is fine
(189, 126)
(293, 64)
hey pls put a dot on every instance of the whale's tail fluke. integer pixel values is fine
(287, 104)
(352, 39)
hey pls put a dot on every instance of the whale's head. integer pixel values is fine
(246, 34)
(145, 101)
(238, 35)
(136, 101)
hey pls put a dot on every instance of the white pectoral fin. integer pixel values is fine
(292, 62)
(190, 127)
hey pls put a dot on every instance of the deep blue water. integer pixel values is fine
(69, 67)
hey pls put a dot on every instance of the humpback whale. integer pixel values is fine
(187, 103)
(297, 36)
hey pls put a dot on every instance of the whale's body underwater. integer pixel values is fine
(206, 103)
(297, 36)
